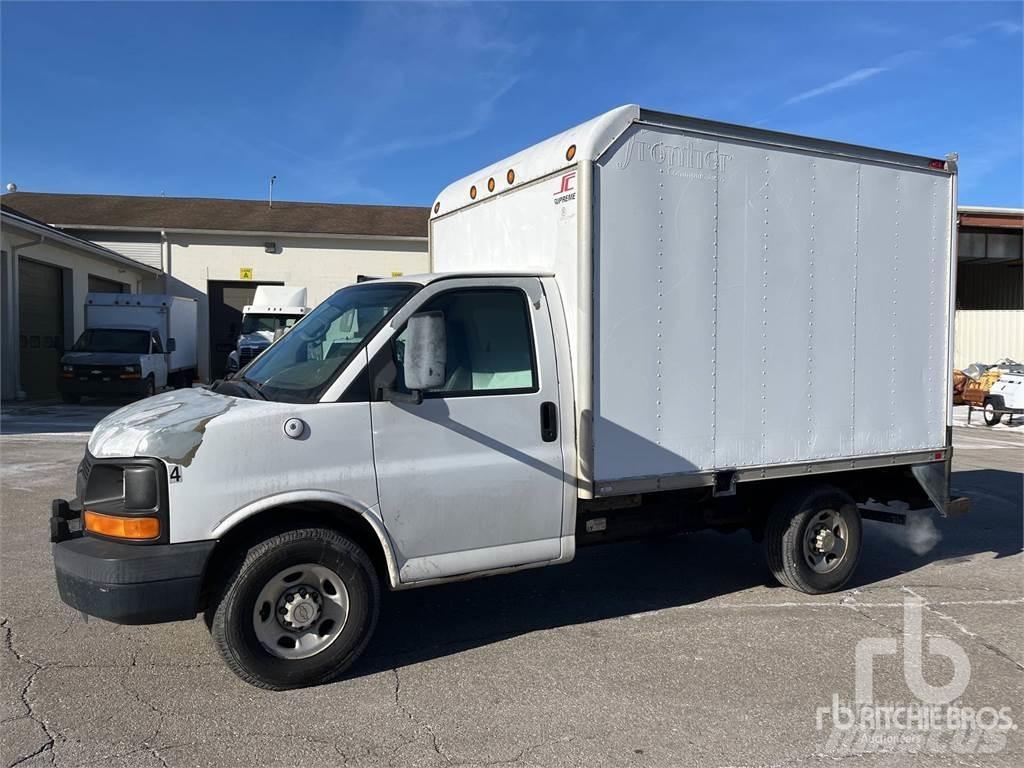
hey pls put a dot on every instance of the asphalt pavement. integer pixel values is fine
(667, 653)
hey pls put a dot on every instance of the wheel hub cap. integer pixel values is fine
(299, 608)
(825, 540)
(300, 611)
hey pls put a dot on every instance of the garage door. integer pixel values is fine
(227, 298)
(41, 325)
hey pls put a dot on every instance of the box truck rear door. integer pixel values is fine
(471, 478)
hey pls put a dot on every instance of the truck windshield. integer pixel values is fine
(113, 340)
(301, 365)
(268, 323)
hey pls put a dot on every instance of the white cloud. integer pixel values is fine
(857, 76)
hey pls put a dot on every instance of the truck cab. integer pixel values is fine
(275, 309)
(114, 361)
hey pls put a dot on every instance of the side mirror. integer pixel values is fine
(171, 345)
(426, 351)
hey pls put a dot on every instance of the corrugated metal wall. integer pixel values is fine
(990, 286)
(988, 335)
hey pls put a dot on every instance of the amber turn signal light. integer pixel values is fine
(122, 527)
(570, 153)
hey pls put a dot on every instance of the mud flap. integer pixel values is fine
(934, 480)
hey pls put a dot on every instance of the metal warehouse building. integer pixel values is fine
(217, 251)
(990, 286)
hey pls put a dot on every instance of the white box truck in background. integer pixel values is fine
(274, 310)
(133, 344)
(646, 325)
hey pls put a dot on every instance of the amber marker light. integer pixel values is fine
(490, 184)
(115, 526)
(570, 153)
(437, 206)
(510, 177)
(472, 192)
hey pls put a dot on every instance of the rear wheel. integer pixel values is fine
(813, 539)
(298, 610)
(992, 417)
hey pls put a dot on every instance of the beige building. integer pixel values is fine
(218, 251)
(989, 286)
(44, 276)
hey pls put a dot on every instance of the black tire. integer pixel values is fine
(992, 417)
(148, 387)
(70, 399)
(232, 625)
(787, 527)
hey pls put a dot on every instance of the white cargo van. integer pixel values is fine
(133, 344)
(646, 325)
(273, 312)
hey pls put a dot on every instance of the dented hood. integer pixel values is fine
(168, 426)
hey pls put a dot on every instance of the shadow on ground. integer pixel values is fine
(623, 579)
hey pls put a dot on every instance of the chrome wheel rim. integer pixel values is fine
(300, 611)
(825, 541)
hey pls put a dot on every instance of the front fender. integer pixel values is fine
(368, 513)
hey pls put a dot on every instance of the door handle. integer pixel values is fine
(548, 422)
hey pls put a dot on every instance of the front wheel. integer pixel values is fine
(813, 539)
(298, 611)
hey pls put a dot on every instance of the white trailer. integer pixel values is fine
(646, 325)
(133, 343)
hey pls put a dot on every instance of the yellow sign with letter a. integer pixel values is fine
(245, 273)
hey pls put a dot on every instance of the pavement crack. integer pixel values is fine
(422, 724)
(26, 699)
(962, 628)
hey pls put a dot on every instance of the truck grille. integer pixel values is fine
(82, 478)
(246, 354)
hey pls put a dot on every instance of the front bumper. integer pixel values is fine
(101, 388)
(126, 583)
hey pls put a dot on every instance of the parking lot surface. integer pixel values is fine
(669, 653)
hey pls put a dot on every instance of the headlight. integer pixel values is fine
(131, 372)
(124, 499)
(68, 368)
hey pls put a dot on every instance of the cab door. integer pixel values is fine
(158, 360)
(472, 478)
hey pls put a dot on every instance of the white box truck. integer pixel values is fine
(133, 344)
(646, 325)
(273, 312)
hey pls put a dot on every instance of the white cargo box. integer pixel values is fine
(736, 298)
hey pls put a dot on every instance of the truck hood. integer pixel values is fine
(100, 358)
(168, 426)
(256, 339)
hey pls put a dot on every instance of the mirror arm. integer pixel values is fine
(415, 397)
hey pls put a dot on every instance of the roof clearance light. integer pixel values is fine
(472, 192)
(437, 206)
(938, 165)
(490, 184)
(570, 153)
(510, 177)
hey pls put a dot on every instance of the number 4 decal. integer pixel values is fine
(175, 476)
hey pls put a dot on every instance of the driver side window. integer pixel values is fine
(489, 343)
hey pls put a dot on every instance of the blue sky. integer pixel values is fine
(388, 103)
